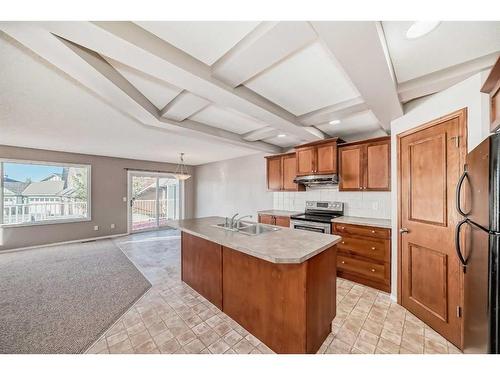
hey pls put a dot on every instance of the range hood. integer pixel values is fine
(318, 179)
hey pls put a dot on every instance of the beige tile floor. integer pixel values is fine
(173, 318)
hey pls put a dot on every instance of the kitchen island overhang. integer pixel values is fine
(280, 286)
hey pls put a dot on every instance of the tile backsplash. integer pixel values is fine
(371, 204)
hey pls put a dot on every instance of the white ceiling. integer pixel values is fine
(206, 41)
(158, 92)
(227, 119)
(354, 127)
(451, 43)
(33, 113)
(217, 90)
(309, 80)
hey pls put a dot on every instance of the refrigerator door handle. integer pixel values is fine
(463, 261)
(458, 191)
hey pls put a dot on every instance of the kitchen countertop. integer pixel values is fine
(381, 223)
(283, 246)
(279, 212)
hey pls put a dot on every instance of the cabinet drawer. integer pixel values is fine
(370, 270)
(373, 248)
(361, 230)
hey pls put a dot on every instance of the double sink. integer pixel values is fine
(249, 229)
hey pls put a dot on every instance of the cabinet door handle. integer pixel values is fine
(342, 228)
(343, 262)
(373, 269)
(343, 242)
(373, 248)
(373, 231)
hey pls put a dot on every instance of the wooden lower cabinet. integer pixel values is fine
(364, 255)
(281, 221)
(289, 307)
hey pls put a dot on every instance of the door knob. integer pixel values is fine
(404, 230)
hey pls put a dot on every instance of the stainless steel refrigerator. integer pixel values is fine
(478, 246)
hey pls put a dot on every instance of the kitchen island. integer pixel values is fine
(279, 285)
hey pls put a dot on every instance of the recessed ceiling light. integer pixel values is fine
(421, 28)
(281, 135)
(334, 122)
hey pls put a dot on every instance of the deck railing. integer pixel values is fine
(43, 211)
(144, 212)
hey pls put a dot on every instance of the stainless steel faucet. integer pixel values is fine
(237, 223)
(232, 220)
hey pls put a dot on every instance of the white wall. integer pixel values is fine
(465, 94)
(362, 204)
(236, 185)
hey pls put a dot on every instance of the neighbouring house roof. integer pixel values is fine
(44, 188)
(7, 179)
(163, 183)
(15, 187)
(59, 175)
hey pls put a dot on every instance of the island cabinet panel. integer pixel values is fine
(321, 297)
(201, 267)
(289, 307)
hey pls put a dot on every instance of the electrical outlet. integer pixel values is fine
(125, 199)
(96, 227)
(112, 226)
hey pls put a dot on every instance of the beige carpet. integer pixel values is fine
(60, 299)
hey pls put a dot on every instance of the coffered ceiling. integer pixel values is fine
(244, 86)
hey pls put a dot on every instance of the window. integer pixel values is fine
(42, 193)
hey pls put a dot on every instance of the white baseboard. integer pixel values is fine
(62, 243)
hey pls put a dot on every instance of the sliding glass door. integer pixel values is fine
(153, 199)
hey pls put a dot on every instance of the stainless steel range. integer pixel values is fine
(318, 216)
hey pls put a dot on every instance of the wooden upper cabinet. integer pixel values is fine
(274, 178)
(326, 158)
(378, 165)
(492, 88)
(317, 157)
(306, 161)
(351, 168)
(289, 165)
(365, 165)
(281, 171)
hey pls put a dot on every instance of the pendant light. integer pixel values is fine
(181, 172)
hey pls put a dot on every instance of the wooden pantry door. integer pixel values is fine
(431, 159)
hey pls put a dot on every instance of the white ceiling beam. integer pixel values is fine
(361, 50)
(183, 106)
(82, 65)
(129, 44)
(440, 80)
(334, 112)
(259, 134)
(265, 46)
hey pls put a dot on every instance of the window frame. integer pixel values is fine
(46, 222)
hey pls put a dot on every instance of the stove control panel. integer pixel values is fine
(325, 205)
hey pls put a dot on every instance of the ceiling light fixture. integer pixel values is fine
(421, 28)
(181, 172)
(281, 135)
(334, 122)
